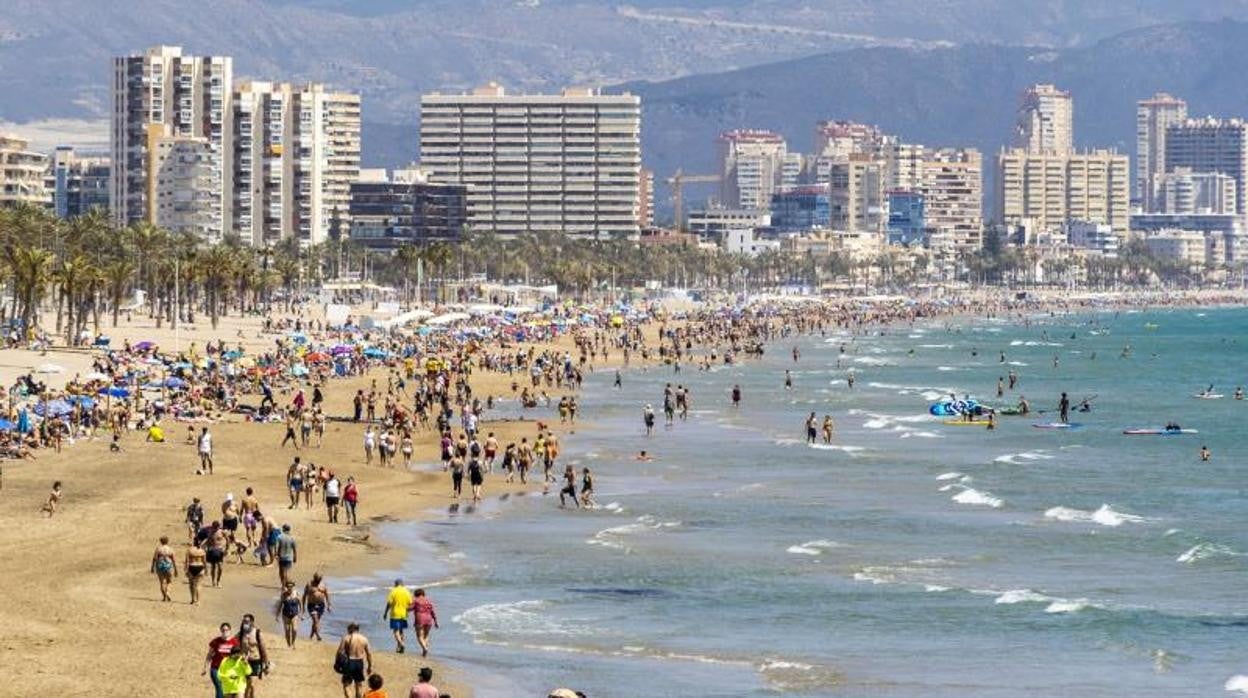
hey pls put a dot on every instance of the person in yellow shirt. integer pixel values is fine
(155, 434)
(397, 603)
(375, 690)
(233, 673)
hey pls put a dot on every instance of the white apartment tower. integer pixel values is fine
(1045, 121)
(22, 173)
(856, 186)
(753, 163)
(296, 152)
(161, 97)
(1152, 117)
(1051, 190)
(567, 163)
(953, 197)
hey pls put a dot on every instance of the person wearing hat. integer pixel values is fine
(423, 688)
(398, 601)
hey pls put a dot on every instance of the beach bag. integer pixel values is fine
(340, 661)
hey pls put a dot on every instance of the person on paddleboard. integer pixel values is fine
(1063, 408)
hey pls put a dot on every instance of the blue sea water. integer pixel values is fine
(910, 557)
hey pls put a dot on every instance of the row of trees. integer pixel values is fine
(79, 269)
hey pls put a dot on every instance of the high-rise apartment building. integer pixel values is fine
(1050, 189)
(1045, 121)
(1182, 191)
(752, 168)
(1152, 117)
(856, 194)
(953, 197)
(405, 208)
(163, 94)
(297, 151)
(1210, 145)
(22, 173)
(645, 199)
(78, 183)
(845, 138)
(567, 163)
(187, 177)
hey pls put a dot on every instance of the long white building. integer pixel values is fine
(297, 151)
(567, 163)
(164, 96)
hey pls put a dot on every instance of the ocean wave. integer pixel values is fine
(609, 537)
(922, 434)
(947, 368)
(1104, 516)
(1237, 684)
(1017, 363)
(935, 346)
(789, 676)
(870, 361)
(1014, 596)
(949, 476)
(1033, 343)
(977, 498)
(1014, 458)
(1064, 606)
(1205, 551)
(837, 447)
(814, 547)
(528, 618)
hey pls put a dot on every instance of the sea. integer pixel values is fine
(908, 557)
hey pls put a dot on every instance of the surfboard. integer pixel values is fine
(1057, 425)
(1158, 432)
(1208, 396)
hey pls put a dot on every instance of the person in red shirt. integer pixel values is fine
(423, 688)
(350, 498)
(425, 617)
(218, 649)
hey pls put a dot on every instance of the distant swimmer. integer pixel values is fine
(1013, 377)
(1000, 386)
(1055, 361)
(797, 354)
(1239, 393)
(644, 457)
(1024, 407)
(1063, 408)
(992, 420)
(618, 381)
(1205, 455)
(811, 428)
(736, 396)
(828, 427)
(1002, 359)
(849, 380)
(788, 380)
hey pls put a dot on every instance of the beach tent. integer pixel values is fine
(114, 391)
(447, 319)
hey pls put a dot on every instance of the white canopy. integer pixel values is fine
(447, 319)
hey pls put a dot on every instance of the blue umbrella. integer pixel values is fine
(299, 370)
(6, 425)
(86, 402)
(114, 391)
(174, 382)
(53, 408)
(375, 353)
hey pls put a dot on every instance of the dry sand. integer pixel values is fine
(82, 612)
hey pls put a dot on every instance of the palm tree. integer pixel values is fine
(438, 255)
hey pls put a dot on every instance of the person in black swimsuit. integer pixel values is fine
(569, 487)
(289, 608)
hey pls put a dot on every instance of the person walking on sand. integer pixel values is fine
(316, 603)
(54, 499)
(289, 608)
(287, 555)
(333, 495)
(196, 563)
(205, 451)
(423, 688)
(424, 619)
(476, 478)
(234, 673)
(357, 660)
(351, 499)
(164, 566)
(252, 643)
(397, 603)
(219, 649)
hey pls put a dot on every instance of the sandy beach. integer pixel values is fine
(83, 611)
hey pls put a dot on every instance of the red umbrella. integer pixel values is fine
(316, 357)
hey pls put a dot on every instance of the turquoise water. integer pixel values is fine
(912, 557)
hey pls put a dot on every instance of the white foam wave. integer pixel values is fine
(1104, 516)
(936, 346)
(977, 498)
(949, 476)
(923, 435)
(837, 447)
(490, 621)
(814, 547)
(1014, 458)
(1014, 596)
(1017, 363)
(1205, 551)
(1064, 606)
(610, 537)
(870, 361)
(947, 368)
(1237, 684)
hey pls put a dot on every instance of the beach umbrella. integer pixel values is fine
(114, 391)
(299, 370)
(86, 402)
(175, 382)
(299, 338)
(341, 349)
(96, 376)
(54, 408)
(246, 362)
(232, 355)
(375, 353)
(316, 356)
(50, 368)
(144, 345)
(6, 425)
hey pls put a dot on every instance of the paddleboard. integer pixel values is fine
(1208, 396)
(1057, 425)
(1158, 432)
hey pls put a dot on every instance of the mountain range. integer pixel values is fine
(943, 72)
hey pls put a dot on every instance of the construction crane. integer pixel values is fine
(677, 181)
